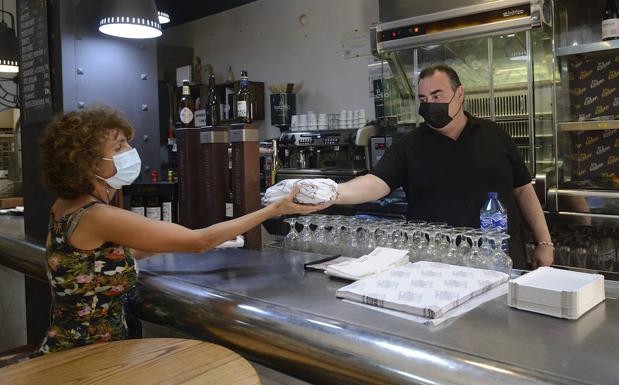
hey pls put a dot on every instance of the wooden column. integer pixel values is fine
(214, 142)
(190, 202)
(246, 177)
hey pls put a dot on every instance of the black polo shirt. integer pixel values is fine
(448, 180)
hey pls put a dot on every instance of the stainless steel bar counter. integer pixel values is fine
(264, 305)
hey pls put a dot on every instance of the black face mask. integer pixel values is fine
(436, 115)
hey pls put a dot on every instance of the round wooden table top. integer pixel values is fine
(142, 361)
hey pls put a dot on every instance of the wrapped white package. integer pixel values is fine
(312, 191)
(380, 259)
(235, 243)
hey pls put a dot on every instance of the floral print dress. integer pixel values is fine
(87, 288)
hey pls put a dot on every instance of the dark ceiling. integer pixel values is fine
(182, 11)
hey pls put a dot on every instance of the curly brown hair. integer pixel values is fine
(72, 147)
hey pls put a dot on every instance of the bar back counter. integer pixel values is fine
(264, 305)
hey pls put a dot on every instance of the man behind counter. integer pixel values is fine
(448, 165)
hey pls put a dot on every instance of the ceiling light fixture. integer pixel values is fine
(164, 18)
(8, 44)
(136, 19)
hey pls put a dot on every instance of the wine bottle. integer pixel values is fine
(610, 21)
(153, 207)
(212, 104)
(186, 106)
(137, 205)
(166, 208)
(244, 108)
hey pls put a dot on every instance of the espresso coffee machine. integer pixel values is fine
(340, 155)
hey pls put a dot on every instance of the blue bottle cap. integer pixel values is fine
(493, 195)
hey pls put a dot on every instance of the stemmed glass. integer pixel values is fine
(486, 249)
(319, 240)
(500, 260)
(346, 238)
(432, 231)
(291, 241)
(332, 237)
(464, 247)
(305, 236)
(451, 256)
(419, 242)
(355, 237)
(476, 257)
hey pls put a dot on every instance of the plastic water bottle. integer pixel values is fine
(493, 215)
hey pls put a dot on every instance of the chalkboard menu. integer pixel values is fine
(35, 84)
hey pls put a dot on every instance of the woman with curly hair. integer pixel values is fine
(92, 246)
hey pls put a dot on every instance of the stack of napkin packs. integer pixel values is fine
(312, 191)
(380, 259)
(555, 292)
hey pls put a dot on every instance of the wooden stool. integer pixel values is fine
(142, 361)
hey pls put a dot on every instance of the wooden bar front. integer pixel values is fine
(246, 177)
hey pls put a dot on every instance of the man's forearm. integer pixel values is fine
(362, 189)
(532, 212)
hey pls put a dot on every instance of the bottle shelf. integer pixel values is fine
(589, 125)
(590, 48)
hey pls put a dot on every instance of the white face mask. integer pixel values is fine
(128, 166)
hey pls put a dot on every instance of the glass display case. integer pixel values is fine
(506, 78)
(549, 80)
(587, 98)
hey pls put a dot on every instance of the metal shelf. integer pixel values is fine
(589, 125)
(599, 47)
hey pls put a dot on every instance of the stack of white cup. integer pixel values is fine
(312, 122)
(346, 119)
(323, 123)
(352, 119)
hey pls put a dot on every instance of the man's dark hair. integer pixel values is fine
(454, 79)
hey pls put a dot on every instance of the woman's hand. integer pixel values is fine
(287, 206)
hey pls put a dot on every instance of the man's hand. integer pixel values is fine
(542, 256)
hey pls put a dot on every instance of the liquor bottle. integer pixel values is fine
(153, 208)
(212, 104)
(171, 139)
(186, 106)
(229, 198)
(244, 110)
(610, 21)
(137, 205)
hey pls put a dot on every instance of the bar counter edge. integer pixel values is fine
(307, 345)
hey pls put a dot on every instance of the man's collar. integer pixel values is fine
(471, 120)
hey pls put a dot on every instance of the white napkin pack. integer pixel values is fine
(556, 292)
(422, 288)
(311, 191)
(380, 259)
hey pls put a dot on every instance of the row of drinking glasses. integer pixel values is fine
(354, 237)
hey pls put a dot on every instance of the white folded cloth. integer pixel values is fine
(236, 243)
(380, 259)
(312, 191)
